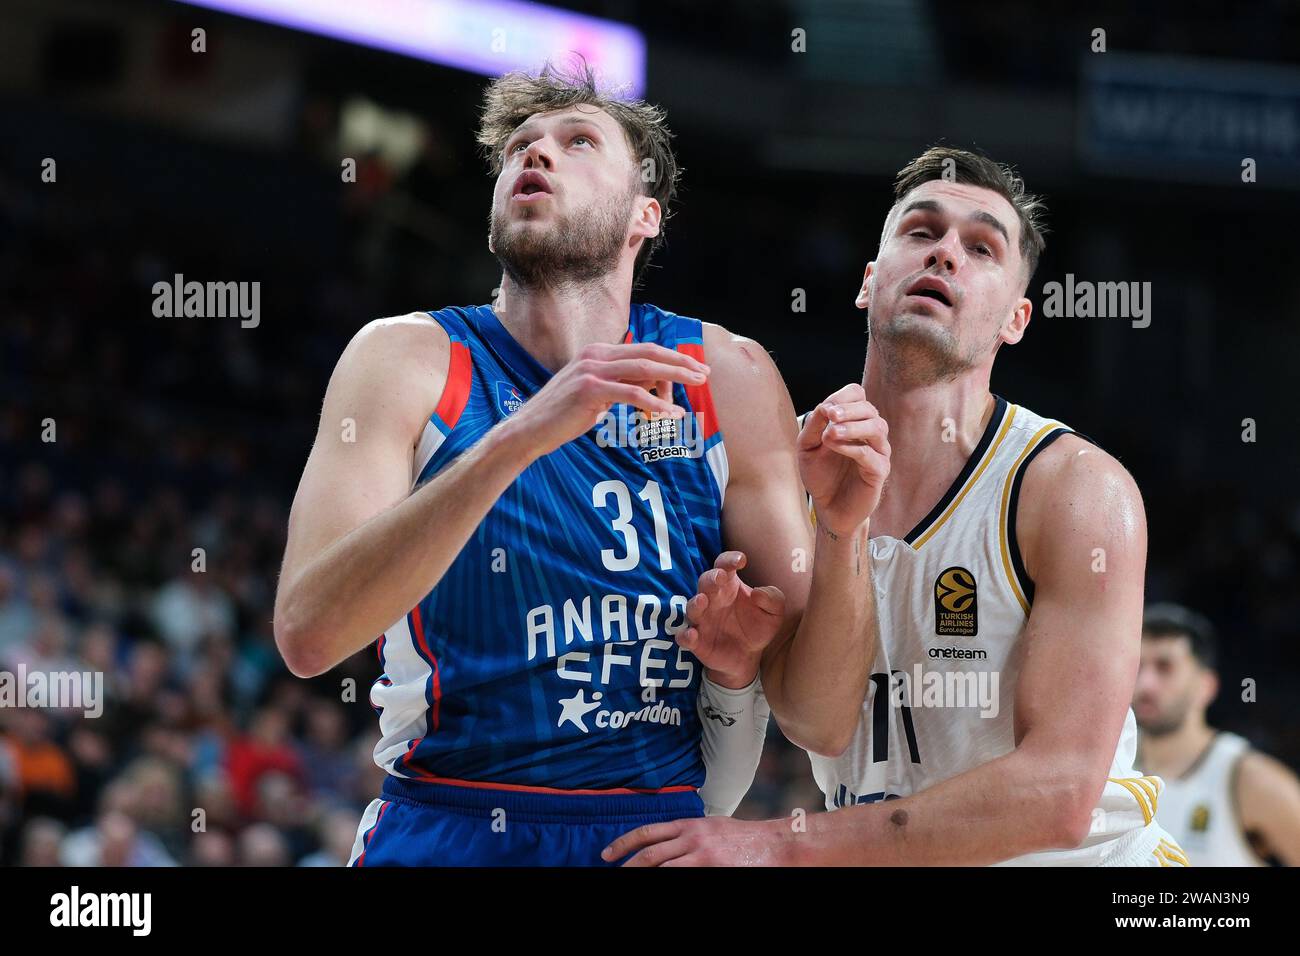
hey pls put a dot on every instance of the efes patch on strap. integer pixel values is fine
(956, 611)
(508, 398)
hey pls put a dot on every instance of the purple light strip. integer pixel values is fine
(489, 37)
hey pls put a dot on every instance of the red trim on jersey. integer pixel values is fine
(455, 394)
(627, 338)
(404, 760)
(437, 677)
(699, 396)
(383, 808)
(523, 788)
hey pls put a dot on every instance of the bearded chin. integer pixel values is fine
(921, 350)
(569, 251)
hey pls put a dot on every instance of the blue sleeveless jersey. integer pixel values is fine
(545, 655)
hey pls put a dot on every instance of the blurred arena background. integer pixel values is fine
(183, 433)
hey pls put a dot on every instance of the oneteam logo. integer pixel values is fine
(956, 609)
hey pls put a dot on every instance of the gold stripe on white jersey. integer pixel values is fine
(1003, 543)
(970, 482)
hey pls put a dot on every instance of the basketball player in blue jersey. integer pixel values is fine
(1009, 553)
(524, 497)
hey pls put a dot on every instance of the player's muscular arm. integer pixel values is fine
(337, 589)
(1076, 681)
(362, 549)
(1268, 795)
(815, 671)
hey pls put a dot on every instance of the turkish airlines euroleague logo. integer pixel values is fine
(955, 607)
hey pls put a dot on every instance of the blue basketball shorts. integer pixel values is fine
(433, 824)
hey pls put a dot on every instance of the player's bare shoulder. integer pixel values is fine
(401, 361)
(414, 342)
(1074, 491)
(747, 389)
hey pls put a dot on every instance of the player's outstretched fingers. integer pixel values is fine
(616, 351)
(635, 395)
(870, 461)
(770, 599)
(647, 371)
(872, 430)
(853, 392)
(688, 639)
(642, 836)
(854, 411)
(731, 561)
(721, 580)
(719, 587)
(661, 854)
(810, 436)
(696, 607)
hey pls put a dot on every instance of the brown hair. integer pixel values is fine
(963, 166)
(512, 98)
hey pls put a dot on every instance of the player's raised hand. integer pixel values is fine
(730, 623)
(579, 395)
(844, 459)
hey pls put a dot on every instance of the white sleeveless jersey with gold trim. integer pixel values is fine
(1200, 808)
(953, 600)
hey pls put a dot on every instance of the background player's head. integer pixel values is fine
(1176, 678)
(583, 180)
(947, 286)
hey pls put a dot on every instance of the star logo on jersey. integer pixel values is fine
(576, 707)
(508, 398)
(955, 606)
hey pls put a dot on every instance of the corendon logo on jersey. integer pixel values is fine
(575, 709)
(508, 398)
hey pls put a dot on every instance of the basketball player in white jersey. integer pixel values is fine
(1008, 555)
(1226, 804)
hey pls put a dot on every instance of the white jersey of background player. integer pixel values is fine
(1003, 546)
(1226, 804)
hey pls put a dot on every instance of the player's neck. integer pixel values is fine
(554, 323)
(930, 423)
(1171, 755)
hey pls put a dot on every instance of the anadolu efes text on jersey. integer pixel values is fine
(545, 655)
